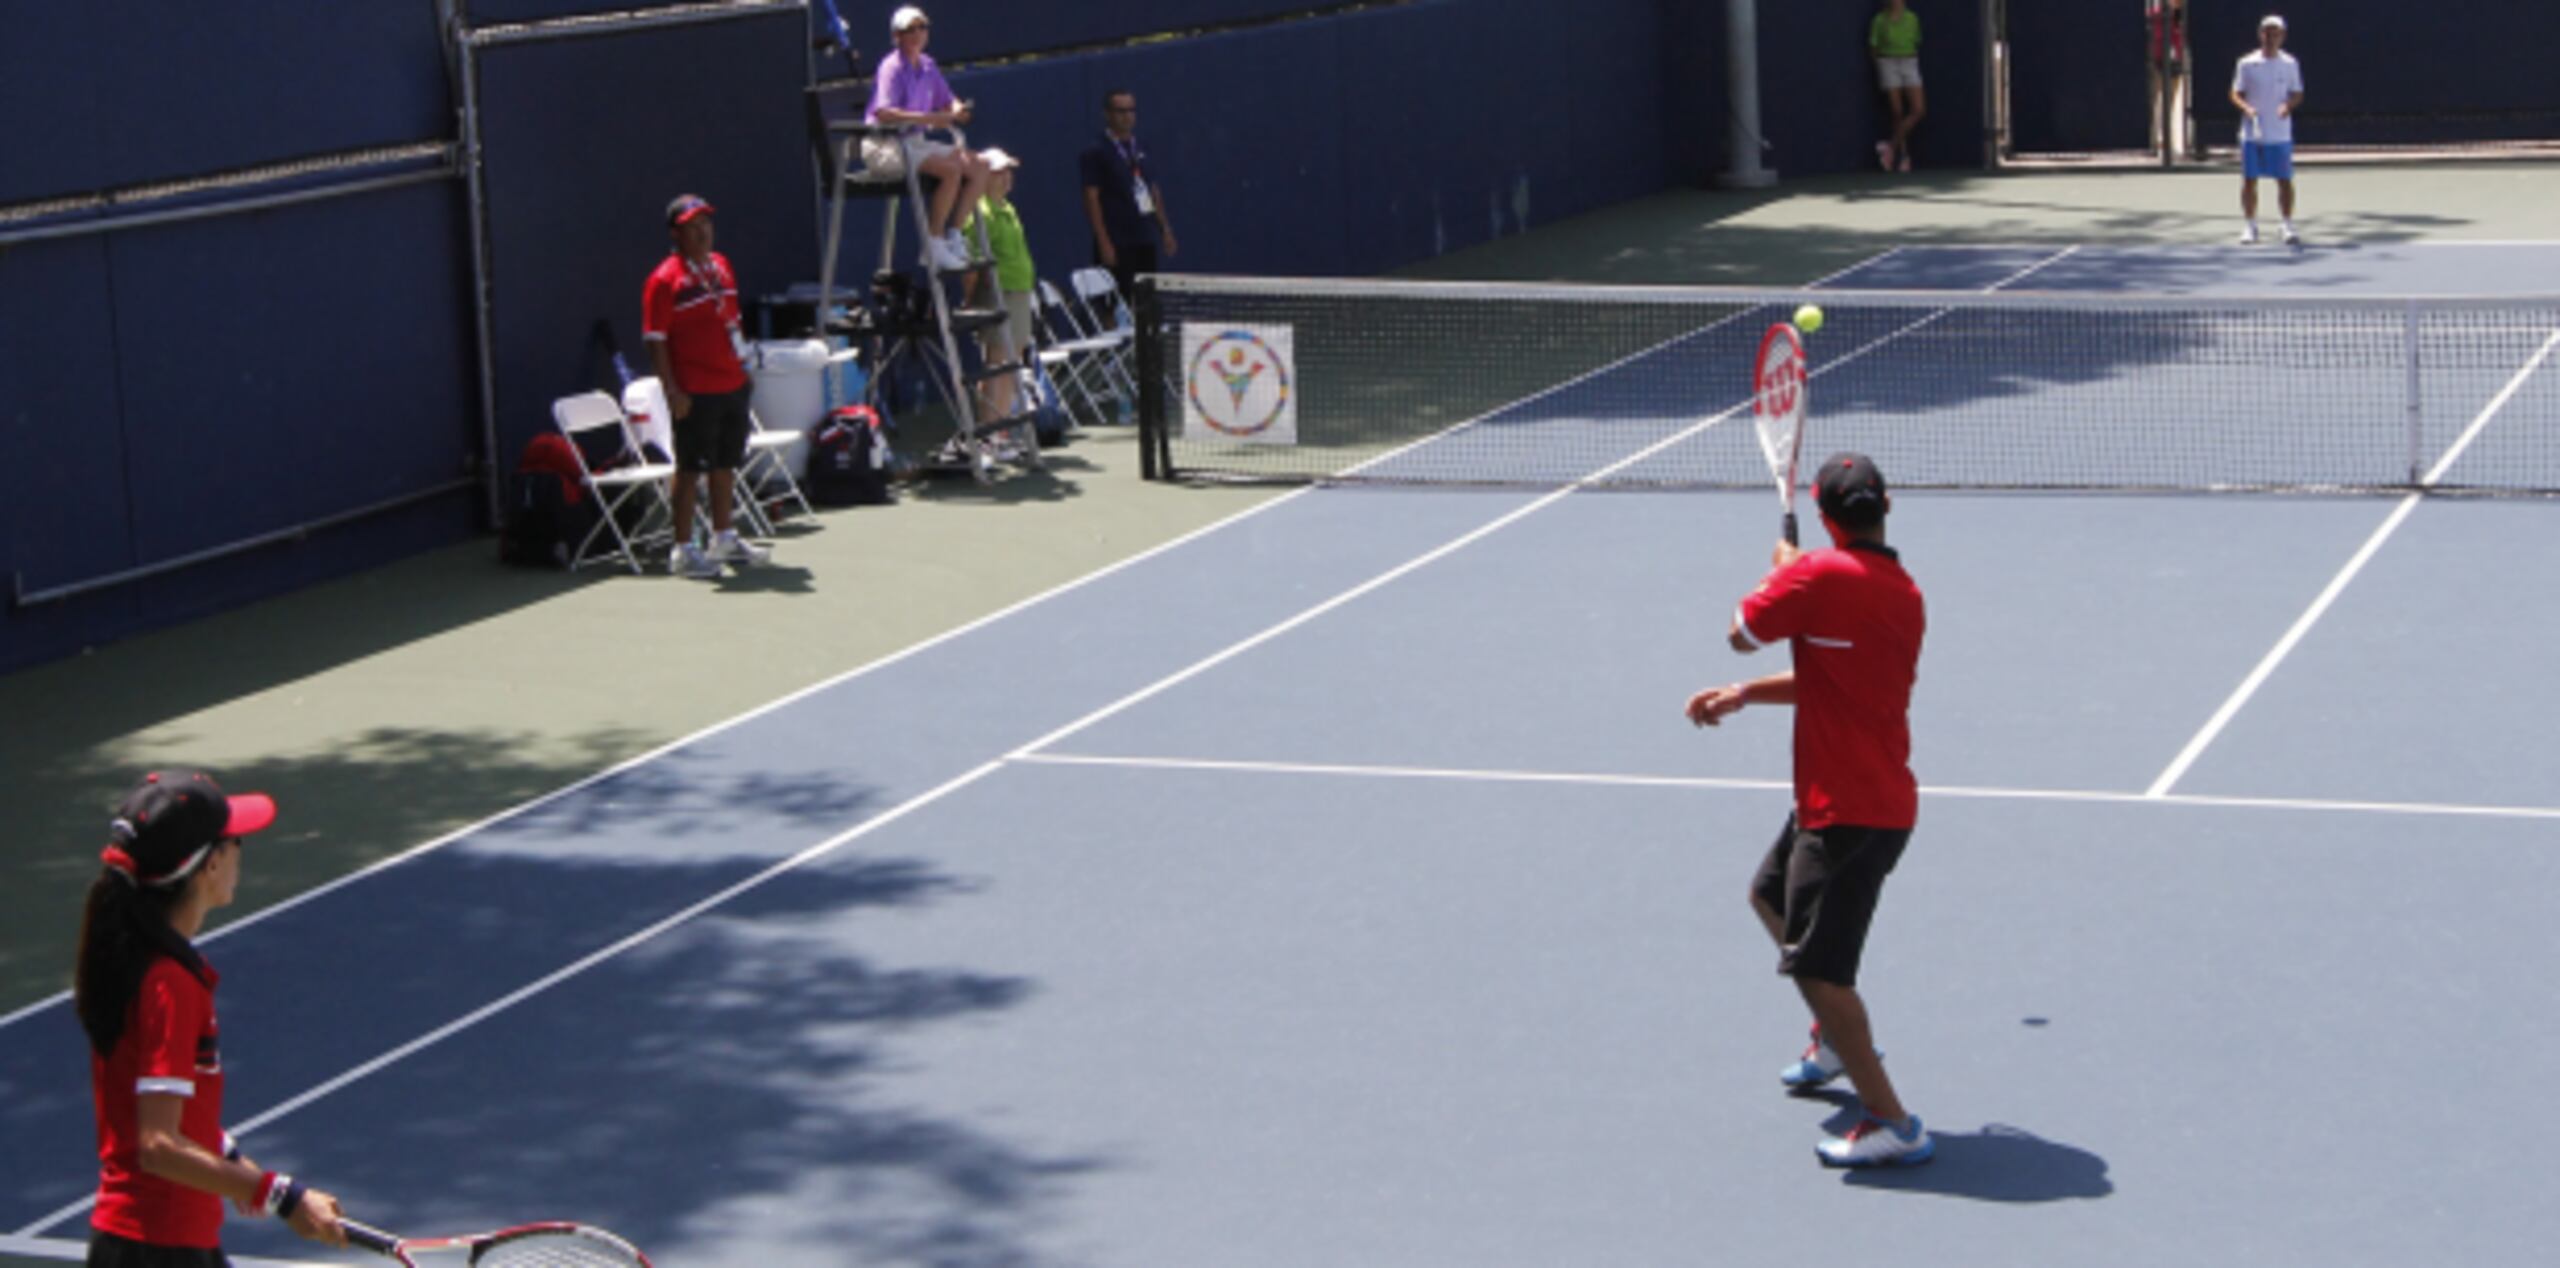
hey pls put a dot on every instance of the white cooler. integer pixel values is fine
(791, 392)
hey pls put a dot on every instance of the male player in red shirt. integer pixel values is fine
(1853, 620)
(689, 316)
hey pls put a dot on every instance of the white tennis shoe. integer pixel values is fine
(730, 548)
(1877, 1143)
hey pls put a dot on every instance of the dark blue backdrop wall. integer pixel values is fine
(2374, 71)
(1346, 144)
(170, 388)
(585, 142)
(1820, 111)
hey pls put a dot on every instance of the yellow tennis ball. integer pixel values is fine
(1809, 319)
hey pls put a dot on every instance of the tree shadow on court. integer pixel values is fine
(727, 1091)
(1999, 1163)
(622, 1014)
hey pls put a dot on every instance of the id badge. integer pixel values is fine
(1146, 200)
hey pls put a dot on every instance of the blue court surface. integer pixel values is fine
(1341, 885)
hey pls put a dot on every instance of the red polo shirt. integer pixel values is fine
(170, 1046)
(694, 309)
(1853, 621)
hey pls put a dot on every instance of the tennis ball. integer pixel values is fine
(1809, 319)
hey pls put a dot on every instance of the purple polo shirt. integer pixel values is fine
(916, 87)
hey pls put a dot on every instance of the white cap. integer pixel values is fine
(997, 160)
(908, 16)
(2271, 20)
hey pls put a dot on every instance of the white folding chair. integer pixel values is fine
(1091, 283)
(1074, 357)
(645, 398)
(579, 418)
(766, 463)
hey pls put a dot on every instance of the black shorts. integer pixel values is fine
(106, 1250)
(1824, 884)
(712, 436)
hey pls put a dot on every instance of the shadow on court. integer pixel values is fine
(1999, 1163)
(711, 1094)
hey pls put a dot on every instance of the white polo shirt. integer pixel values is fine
(2265, 82)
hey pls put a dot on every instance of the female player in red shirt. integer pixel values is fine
(145, 997)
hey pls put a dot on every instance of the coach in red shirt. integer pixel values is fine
(145, 997)
(689, 316)
(1853, 620)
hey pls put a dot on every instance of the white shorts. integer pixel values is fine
(1897, 72)
(881, 159)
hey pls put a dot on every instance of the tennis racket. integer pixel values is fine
(557, 1244)
(1777, 412)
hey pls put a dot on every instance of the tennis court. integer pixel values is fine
(1355, 893)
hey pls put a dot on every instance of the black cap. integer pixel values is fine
(166, 826)
(686, 207)
(1850, 491)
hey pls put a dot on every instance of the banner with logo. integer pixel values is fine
(1239, 383)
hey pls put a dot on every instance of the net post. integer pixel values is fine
(1155, 456)
(2409, 354)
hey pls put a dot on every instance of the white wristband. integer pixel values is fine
(1741, 695)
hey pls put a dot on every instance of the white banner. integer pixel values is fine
(1239, 383)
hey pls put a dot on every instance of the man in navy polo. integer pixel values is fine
(1122, 200)
(1852, 620)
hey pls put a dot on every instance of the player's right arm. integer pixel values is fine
(657, 313)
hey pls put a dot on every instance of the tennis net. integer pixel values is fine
(1293, 379)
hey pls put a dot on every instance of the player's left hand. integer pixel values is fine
(1713, 705)
(1787, 552)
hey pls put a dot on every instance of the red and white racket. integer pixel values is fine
(1778, 400)
(556, 1244)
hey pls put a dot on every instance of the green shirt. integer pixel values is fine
(1890, 36)
(1013, 253)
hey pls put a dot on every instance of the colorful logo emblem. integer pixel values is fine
(1239, 384)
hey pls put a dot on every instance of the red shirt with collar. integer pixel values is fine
(694, 308)
(1853, 620)
(170, 1046)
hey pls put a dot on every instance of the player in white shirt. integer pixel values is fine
(2268, 88)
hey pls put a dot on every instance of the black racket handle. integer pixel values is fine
(370, 1238)
(1787, 528)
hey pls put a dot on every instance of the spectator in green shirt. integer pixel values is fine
(1893, 40)
(1015, 279)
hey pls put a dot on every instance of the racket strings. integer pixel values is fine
(560, 1248)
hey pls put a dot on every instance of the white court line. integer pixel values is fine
(2337, 585)
(296, 900)
(69, 1251)
(570, 970)
(1496, 776)
(287, 904)
(1472, 536)
(823, 848)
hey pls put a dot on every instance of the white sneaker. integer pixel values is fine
(1884, 155)
(939, 256)
(2291, 238)
(958, 242)
(1818, 1065)
(2249, 236)
(729, 548)
(687, 560)
(1877, 1143)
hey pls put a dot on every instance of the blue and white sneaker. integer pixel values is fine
(1877, 1143)
(1819, 1065)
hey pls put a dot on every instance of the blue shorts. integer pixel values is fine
(2272, 159)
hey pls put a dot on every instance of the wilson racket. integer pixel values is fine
(1777, 413)
(557, 1244)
